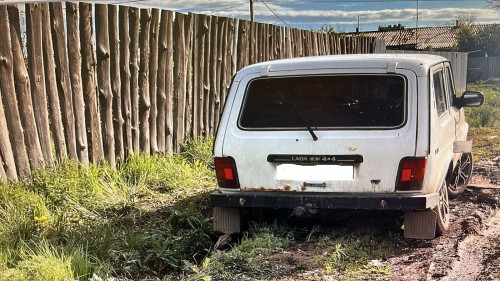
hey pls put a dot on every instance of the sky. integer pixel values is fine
(342, 15)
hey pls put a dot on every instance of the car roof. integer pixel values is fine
(418, 63)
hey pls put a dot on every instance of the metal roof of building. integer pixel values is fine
(420, 38)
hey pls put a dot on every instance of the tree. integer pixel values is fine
(495, 4)
(471, 37)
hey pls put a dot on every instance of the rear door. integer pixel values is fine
(328, 131)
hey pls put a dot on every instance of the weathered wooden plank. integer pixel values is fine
(7, 90)
(206, 78)
(196, 75)
(56, 124)
(23, 92)
(153, 78)
(199, 97)
(169, 85)
(125, 77)
(229, 57)
(188, 121)
(219, 74)
(114, 44)
(75, 71)
(89, 87)
(62, 73)
(252, 57)
(224, 58)
(37, 79)
(144, 100)
(103, 81)
(162, 73)
(243, 29)
(134, 16)
(213, 73)
(179, 80)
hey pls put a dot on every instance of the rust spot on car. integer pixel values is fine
(352, 149)
(285, 188)
(303, 188)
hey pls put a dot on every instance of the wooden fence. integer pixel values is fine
(483, 68)
(132, 80)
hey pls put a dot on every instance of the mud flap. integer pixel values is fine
(227, 220)
(420, 224)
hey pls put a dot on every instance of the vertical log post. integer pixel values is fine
(196, 74)
(56, 124)
(62, 72)
(89, 88)
(179, 80)
(37, 78)
(125, 77)
(206, 77)
(188, 121)
(213, 74)
(23, 92)
(75, 73)
(7, 88)
(169, 85)
(144, 100)
(134, 16)
(153, 79)
(114, 44)
(103, 81)
(162, 75)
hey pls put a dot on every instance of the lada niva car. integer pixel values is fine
(382, 132)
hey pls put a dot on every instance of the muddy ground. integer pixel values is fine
(469, 251)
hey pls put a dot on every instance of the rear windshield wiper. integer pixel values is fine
(304, 120)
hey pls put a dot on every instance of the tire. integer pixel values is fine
(442, 210)
(460, 176)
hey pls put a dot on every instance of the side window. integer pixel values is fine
(451, 85)
(439, 91)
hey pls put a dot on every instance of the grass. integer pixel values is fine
(80, 222)
(485, 120)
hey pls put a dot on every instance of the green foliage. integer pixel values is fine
(487, 114)
(470, 39)
(199, 149)
(245, 260)
(80, 221)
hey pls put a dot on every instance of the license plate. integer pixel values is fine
(318, 173)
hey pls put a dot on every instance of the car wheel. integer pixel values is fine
(443, 210)
(460, 176)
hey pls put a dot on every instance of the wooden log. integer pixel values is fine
(153, 78)
(75, 73)
(188, 35)
(56, 123)
(89, 88)
(134, 16)
(219, 73)
(162, 73)
(114, 44)
(213, 96)
(228, 58)
(262, 42)
(144, 100)
(252, 57)
(224, 65)
(103, 81)
(206, 78)
(125, 77)
(196, 75)
(243, 44)
(199, 72)
(179, 80)
(62, 72)
(23, 92)
(7, 90)
(169, 85)
(37, 79)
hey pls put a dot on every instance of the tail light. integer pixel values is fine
(411, 173)
(225, 170)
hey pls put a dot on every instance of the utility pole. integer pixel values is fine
(416, 29)
(251, 11)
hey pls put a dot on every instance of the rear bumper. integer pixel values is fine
(404, 202)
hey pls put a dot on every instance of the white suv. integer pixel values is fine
(344, 132)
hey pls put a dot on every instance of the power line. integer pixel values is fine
(275, 14)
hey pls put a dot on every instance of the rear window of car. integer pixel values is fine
(339, 101)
